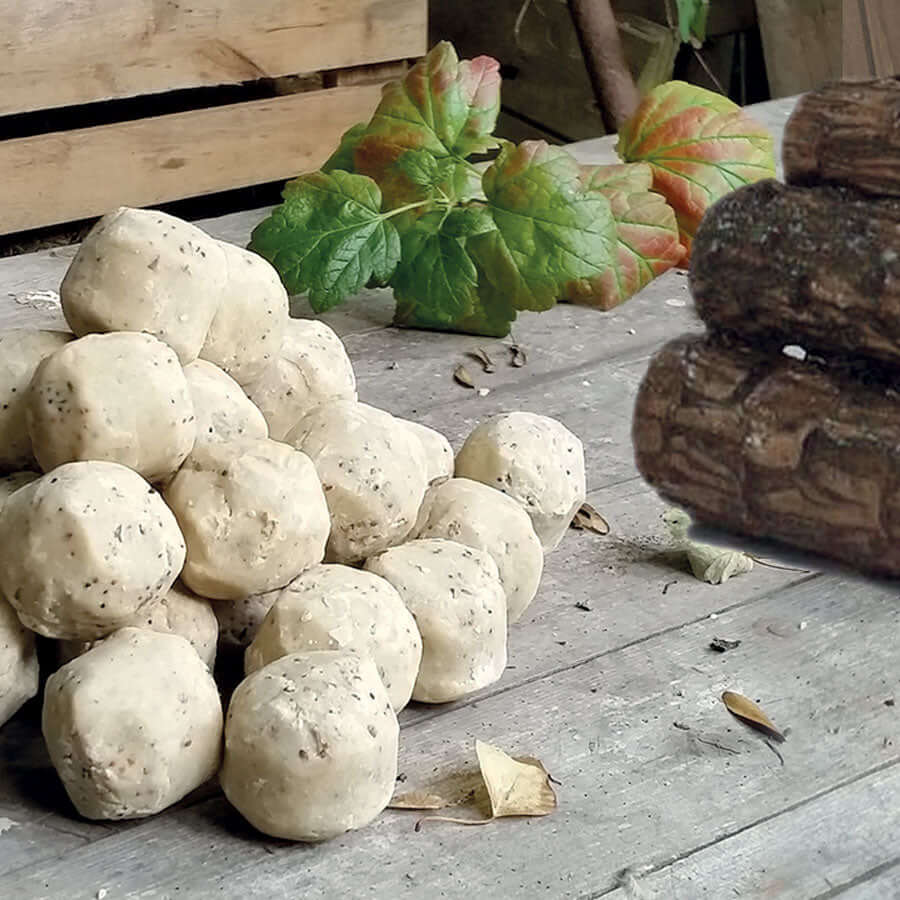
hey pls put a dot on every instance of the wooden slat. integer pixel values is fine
(76, 174)
(787, 26)
(857, 61)
(884, 30)
(635, 789)
(64, 53)
(809, 851)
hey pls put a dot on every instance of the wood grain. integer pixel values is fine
(801, 43)
(76, 174)
(871, 39)
(54, 54)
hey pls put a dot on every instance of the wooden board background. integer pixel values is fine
(75, 174)
(59, 53)
(871, 38)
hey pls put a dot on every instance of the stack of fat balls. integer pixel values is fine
(190, 467)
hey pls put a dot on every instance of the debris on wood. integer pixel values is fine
(667, 585)
(747, 711)
(481, 356)
(889, 701)
(714, 565)
(502, 786)
(721, 645)
(588, 519)
(461, 376)
(584, 605)
(392, 365)
(519, 357)
(483, 392)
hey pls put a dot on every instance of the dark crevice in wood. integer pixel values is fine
(845, 886)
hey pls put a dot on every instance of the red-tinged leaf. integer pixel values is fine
(700, 147)
(627, 177)
(443, 106)
(646, 232)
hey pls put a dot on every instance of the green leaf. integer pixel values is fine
(549, 231)
(646, 231)
(425, 170)
(443, 107)
(342, 158)
(692, 16)
(699, 145)
(329, 237)
(436, 277)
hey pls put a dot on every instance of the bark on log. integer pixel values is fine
(774, 448)
(818, 267)
(849, 133)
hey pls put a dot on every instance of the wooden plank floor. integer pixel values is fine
(648, 808)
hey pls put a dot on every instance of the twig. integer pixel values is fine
(709, 71)
(769, 565)
(517, 28)
(715, 744)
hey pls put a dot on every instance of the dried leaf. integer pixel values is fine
(746, 710)
(721, 645)
(714, 565)
(515, 788)
(519, 357)
(461, 376)
(454, 789)
(486, 363)
(505, 787)
(588, 519)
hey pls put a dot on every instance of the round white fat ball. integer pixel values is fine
(143, 270)
(535, 460)
(253, 516)
(333, 607)
(312, 367)
(21, 350)
(374, 472)
(247, 330)
(310, 746)
(456, 596)
(119, 397)
(18, 663)
(222, 410)
(180, 612)
(133, 725)
(476, 515)
(85, 548)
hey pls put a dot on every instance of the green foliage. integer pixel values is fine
(464, 247)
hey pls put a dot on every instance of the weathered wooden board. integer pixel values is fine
(635, 788)
(76, 174)
(61, 54)
(871, 39)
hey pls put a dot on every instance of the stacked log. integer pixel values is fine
(803, 451)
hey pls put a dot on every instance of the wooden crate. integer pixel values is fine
(62, 53)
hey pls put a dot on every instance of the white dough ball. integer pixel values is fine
(248, 327)
(133, 725)
(18, 663)
(310, 746)
(312, 367)
(222, 410)
(21, 350)
(9, 484)
(456, 596)
(478, 516)
(239, 620)
(180, 612)
(374, 472)
(118, 397)
(438, 452)
(534, 459)
(333, 607)
(143, 270)
(253, 516)
(85, 548)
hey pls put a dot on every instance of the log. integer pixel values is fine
(846, 133)
(774, 448)
(817, 267)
